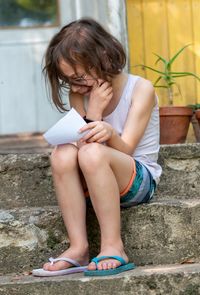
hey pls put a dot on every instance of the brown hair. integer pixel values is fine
(87, 43)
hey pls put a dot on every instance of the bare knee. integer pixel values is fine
(64, 158)
(90, 156)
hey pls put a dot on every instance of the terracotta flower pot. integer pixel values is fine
(174, 124)
(198, 116)
(196, 124)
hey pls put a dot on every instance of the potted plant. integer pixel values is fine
(174, 120)
(198, 117)
(196, 120)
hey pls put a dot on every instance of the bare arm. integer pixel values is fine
(139, 114)
(77, 102)
(143, 102)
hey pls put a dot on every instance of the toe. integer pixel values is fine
(46, 266)
(105, 265)
(100, 266)
(92, 266)
(56, 266)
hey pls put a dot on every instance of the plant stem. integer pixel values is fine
(170, 95)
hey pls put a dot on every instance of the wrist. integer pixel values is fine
(113, 134)
(93, 117)
(87, 120)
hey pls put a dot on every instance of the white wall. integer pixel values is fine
(24, 106)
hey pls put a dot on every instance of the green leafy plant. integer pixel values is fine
(167, 75)
(195, 106)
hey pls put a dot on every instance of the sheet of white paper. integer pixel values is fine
(66, 129)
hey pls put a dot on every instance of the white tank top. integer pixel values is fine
(147, 150)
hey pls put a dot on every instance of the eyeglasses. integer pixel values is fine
(82, 80)
(79, 81)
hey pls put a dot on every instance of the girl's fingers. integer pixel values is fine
(87, 127)
(97, 137)
(94, 127)
(105, 86)
(97, 133)
(108, 90)
(100, 82)
(110, 96)
(81, 143)
(91, 134)
(102, 139)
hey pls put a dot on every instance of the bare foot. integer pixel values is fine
(82, 257)
(108, 263)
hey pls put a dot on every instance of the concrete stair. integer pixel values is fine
(158, 233)
(25, 179)
(162, 238)
(148, 280)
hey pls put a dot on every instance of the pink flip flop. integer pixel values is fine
(40, 272)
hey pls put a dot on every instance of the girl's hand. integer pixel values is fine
(80, 143)
(100, 97)
(99, 132)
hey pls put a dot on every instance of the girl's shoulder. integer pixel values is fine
(135, 82)
(143, 92)
(139, 79)
(139, 83)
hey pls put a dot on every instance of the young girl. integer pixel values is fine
(116, 162)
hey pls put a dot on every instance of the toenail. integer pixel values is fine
(105, 265)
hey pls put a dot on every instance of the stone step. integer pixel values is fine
(158, 233)
(149, 280)
(181, 171)
(25, 179)
(23, 143)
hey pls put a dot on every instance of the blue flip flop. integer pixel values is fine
(108, 272)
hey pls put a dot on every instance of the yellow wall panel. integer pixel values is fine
(155, 37)
(180, 34)
(196, 32)
(164, 26)
(136, 44)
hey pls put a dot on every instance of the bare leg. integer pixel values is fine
(106, 171)
(71, 201)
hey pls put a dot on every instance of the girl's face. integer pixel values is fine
(79, 82)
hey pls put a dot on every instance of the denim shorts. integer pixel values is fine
(141, 189)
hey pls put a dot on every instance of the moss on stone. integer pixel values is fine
(52, 240)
